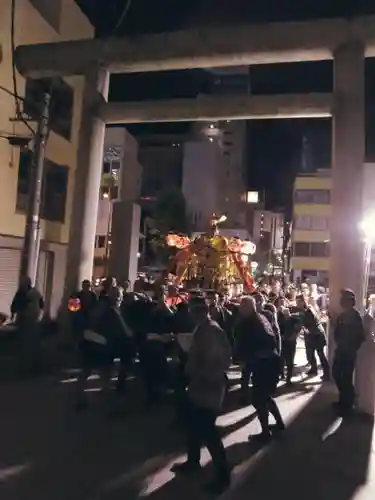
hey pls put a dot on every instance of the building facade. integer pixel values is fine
(161, 157)
(121, 179)
(230, 138)
(38, 21)
(311, 226)
(268, 229)
(202, 165)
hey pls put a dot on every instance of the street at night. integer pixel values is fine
(50, 452)
(187, 250)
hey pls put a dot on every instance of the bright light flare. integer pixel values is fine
(367, 226)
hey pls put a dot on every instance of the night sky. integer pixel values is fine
(275, 146)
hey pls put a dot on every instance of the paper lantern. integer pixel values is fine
(248, 248)
(74, 304)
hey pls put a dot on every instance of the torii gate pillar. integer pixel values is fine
(88, 173)
(347, 266)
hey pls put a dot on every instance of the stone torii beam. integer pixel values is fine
(219, 108)
(199, 48)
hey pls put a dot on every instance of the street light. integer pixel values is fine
(367, 228)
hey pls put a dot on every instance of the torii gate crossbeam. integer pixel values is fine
(220, 108)
(199, 48)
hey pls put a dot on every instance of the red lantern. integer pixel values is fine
(74, 304)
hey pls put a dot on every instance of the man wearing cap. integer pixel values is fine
(349, 335)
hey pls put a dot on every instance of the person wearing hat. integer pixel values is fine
(349, 335)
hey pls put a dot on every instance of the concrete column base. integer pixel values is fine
(365, 371)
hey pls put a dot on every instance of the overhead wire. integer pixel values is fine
(122, 17)
(12, 94)
(14, 75)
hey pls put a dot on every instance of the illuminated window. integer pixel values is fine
(252, 197)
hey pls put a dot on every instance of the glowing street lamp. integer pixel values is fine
(367, 227)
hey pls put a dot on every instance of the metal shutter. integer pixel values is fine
(9, 269)
(10, 259)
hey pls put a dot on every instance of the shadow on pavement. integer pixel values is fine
(319, 457)
(49, 453)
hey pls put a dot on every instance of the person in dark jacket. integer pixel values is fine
(153, 349)
(315, 338)
(290, 326)
(208, 360)
(257, 345)
(349, 335)
(87, 303)
(26, 311)
(108, 337)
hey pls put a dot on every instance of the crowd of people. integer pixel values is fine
(204, 333)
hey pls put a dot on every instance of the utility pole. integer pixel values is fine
(31, 246)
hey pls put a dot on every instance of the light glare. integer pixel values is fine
(367, 226)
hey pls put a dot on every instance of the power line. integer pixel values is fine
(12, 94)
(122, 17)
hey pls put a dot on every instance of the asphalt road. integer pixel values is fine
(48, 452)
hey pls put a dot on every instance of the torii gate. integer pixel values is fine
(347, 42)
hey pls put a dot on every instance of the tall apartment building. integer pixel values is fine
(229, 138)
(311, 226)
(311, 223)
(161, 157)
(122, 178)
(38, 21)
(202, 169)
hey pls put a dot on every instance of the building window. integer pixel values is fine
(313, 196)
(55, 185)
(100, 242)
(319, 223)
(227, 144)
(319, 249)
(302, 222)
(311, 222)
(104, 193)
(301, 249)
(24, 179)
(55, 189)
(116, 165)
(61, 109)
(50, 10)
(113, 193)
(106, 167)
